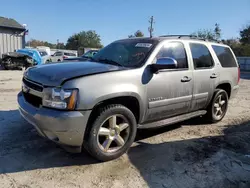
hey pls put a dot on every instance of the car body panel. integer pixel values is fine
(55, 74)
(63, 127)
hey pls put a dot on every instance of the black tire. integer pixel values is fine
(92, 142)
(211, 109)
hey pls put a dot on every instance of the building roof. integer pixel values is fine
(10, 23)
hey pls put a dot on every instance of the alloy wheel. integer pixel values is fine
(220, 106)
(113, 133)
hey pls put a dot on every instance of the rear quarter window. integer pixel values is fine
(225, 56)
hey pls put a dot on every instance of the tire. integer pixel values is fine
(214, 105)
(100, 134)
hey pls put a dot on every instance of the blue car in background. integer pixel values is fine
(39, 56)
(24, 58)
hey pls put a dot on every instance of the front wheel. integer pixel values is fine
(218, 106)
(112, 133)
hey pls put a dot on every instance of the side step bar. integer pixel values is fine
(172, 120)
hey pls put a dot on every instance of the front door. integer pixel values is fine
(170, 91)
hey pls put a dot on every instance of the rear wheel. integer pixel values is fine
(218, 106)
(112, 133)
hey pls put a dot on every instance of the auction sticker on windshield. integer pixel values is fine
(143, 45)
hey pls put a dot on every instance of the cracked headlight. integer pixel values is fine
(60, 98)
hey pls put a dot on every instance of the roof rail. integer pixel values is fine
(191, 37)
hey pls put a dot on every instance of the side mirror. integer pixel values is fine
(164, 63)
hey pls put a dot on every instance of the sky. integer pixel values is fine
(50, 20)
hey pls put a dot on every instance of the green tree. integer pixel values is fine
(245, 35)
(83, 39)
(217, 31)
(205, 34)
(138, 33)
(238, 48)
(34, 43)
(209, 33)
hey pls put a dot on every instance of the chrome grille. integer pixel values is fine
(33, 85)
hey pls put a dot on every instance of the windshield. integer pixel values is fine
(87, 54)
(127, 53)
(43, 53)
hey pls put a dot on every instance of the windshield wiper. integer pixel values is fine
(108, 61)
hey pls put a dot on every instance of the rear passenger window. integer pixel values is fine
(174, 50)
(225, 56)
(201, 56)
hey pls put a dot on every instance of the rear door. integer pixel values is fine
(205, 75)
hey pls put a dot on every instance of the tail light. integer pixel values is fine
(64, 57)
(238, 74)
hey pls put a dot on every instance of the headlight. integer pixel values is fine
(60, 98)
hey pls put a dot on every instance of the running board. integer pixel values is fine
(172, 120)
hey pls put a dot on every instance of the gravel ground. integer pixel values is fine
(189, 154)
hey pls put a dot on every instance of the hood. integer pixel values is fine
(55, 74)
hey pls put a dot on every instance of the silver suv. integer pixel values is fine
(128, 85)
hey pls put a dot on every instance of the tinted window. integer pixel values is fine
(58, 54)
(201, 56)
(225, 56)
(43, 53)
(174, 50)
(69, 54)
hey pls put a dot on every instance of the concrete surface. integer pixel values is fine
(189, 154)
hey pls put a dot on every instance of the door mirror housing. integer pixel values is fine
(164, 63)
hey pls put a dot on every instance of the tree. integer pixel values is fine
(34, 43)
(245, 35)
(238, 48)
(217, 31)
(205, 34)
(83, 39)
(138, 33)
(208, 33)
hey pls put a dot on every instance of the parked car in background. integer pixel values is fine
(39, 56)
(84, 57)
(60, 56)
(24, 58)
(131, 84)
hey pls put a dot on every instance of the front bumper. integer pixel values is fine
(64, 127)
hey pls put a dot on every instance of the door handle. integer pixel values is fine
(214, 75)
(186, 79)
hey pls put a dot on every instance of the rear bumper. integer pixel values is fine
(63, 127)
(234, 91)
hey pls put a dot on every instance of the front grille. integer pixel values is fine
(33, 85)
(32, 99)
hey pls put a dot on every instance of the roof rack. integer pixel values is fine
(191, 37)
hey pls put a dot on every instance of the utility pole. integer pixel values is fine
(151, 29)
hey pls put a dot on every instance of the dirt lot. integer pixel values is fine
(189, 154)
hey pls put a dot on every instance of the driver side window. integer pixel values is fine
(176, 51)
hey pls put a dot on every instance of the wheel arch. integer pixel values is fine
(132, 102)
(225, 86)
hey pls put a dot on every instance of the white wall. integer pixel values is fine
(10, 41)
